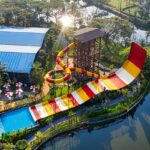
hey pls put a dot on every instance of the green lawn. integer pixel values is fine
(118, 4)
(122, 4)
(59, 91)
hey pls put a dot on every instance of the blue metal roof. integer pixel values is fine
(17, 62)
(20, 38)
(18, 47)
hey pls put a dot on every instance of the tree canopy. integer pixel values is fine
(29, 12)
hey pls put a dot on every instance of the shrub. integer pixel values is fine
(21, 144)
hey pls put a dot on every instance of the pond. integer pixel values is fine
(90, 12)
(131, 133)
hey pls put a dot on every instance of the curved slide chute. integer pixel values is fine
(121, 78)
(66, 69)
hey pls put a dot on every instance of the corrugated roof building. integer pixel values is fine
(19, 46)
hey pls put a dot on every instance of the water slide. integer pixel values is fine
(117, 80)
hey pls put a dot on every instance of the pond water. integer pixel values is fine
(90, 12)
(132, 133)
(139, 35)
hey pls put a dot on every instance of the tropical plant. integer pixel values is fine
(21, 144)
(8, 146)
(5, 137)
(50, 119)
(70, 115)
(37, 73)
(38, 136)
(54, 9)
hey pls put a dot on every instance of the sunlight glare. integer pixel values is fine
(66, 21)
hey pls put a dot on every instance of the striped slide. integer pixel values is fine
(121, 78)
(67, 70)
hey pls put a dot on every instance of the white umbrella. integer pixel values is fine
(9, 95)
(19, 84)
(7, 86)
(19, 92)
(33, 88)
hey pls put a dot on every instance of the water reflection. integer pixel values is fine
(146, 117)
(66, 143)
(130, 137)
(91, 12)
(129, 134)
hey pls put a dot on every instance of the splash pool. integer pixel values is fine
(16, 120)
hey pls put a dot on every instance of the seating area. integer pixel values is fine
(19, 103)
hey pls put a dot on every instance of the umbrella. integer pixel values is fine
(9, 95)
(6, 86)
(19, 92)
(19, 84)
(33, 88)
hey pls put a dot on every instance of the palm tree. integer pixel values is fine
(70, 115)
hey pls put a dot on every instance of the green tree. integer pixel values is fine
(6, 137)
(8, 146)
(70, 115)
(42, 55)
(50, 119)
(74, 9)
(54, 9)
(114, 28)
(37, 73)
(38, 136)
(21, 144)
(125, 91)
(22, 13)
